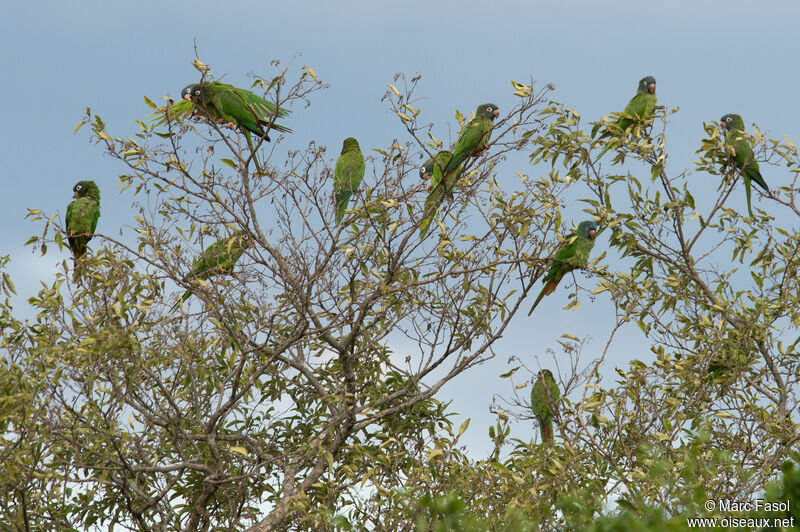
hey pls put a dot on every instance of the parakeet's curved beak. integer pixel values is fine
(496, 113)
(591, 233)
(651, 88)
(187, 97)
(723, 125)
(74, 193)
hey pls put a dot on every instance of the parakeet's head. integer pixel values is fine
(587, 229)
(426, 170)
(546, 375)
(243, 240)
(86, 188)
(732, 121)
(487, 110)
(350, 144)
(647, 85)
(193, 93)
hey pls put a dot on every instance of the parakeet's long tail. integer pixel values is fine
(546, 291)
(341, 206)
(607, 147)
(426, 223)
(546, 429)
(747, 187)
(278, 127)
(758, 180)
(435, 199)
(78, 267)
(179, 302)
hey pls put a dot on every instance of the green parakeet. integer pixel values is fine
(545, 396)
(642, 106)
(438, 188)
(347, 175)
(742, 154)
(574, 253)
(475, 136)
(82, 215)
(217, 259)
(227, 104)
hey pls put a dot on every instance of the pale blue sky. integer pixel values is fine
(709, 57)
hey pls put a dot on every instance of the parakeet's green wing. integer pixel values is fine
(263, 108)
(233, 108)
(474, 137)
(642, 105)
(745, 159)
(252, 111)
(94, 213)
(466, 144)
(347, 176)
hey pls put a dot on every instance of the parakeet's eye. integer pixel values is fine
(78, 187)
(728, 119)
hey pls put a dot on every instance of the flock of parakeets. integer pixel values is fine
(233, 107)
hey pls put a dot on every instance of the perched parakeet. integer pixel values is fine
(574, 253)
(641, 106)
(544, 403)
(742, 154)
(227, 104)
(217, 259)
(82, 215)
(347, 175)
(475, 136)
(439, 188)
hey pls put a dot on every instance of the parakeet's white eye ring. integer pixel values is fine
(728, 119)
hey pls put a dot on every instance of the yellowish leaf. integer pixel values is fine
(199, 65)
(238, 449)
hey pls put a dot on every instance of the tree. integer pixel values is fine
(274, 398)
(300, 392)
